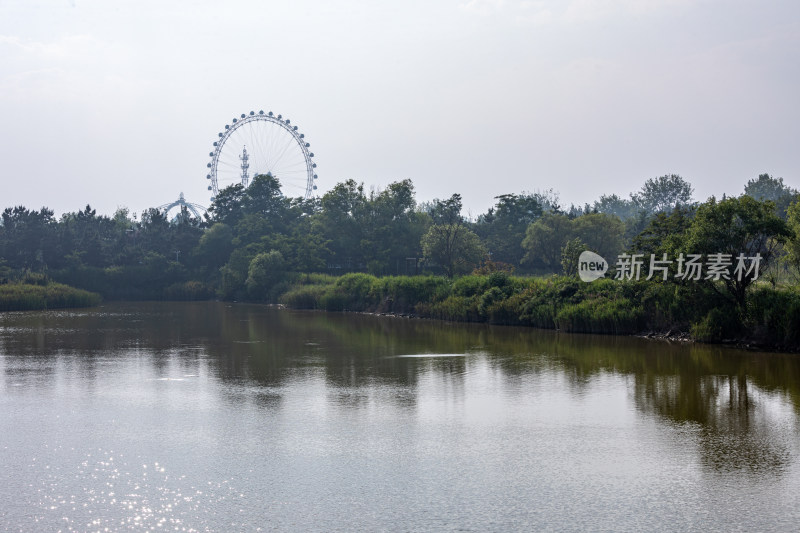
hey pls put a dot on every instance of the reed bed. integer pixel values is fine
(565, 303)
(24, 297)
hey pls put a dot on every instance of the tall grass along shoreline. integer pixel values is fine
(28, 297)
(770, 319)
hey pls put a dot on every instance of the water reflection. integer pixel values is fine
(735, 401)
(738, 428)
(735, 404)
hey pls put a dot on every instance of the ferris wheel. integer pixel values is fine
(262, 143)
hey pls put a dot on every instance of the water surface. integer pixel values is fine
(227, 417)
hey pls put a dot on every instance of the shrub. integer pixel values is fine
(469, 285)
(23, 297)
(775, 315)
(488, 299)
(188, 291)
(507, 311)
(331, 300)
(539, 314)
(499, 279)
(600, 315)
(303, 297)
(716, 326)
(456, 308)
(355, 292)
(401, 294)
(34, 278)
(313, 278)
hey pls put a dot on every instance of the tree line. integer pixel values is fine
(253, 237)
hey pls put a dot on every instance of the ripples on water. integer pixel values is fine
(203, 417)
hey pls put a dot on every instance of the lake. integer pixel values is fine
(212, 416)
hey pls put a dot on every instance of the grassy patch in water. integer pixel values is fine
(24, 297)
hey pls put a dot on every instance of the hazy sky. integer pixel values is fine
(117, 103)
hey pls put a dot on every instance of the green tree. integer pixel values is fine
(737, 226)
(765, 187)
(154, 235)
(234, 273)
(215, 245)
(228, 204)
(266, 215)
(447, 212)
(570, 254)
(263, 197)
(792, 246)
(264, 272)
(601, 233)
(663, 194)
(449, 242)
(88, 239)
(342, 220)
(375, 232)
(305, 240)
(544, 240)
(28, 238)
(503, 226)
(615, 205)
(665, 232)
(454, 247)
(185, 234)
(394, 228)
